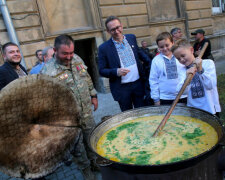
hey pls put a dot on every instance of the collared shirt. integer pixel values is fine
(36, 69)
(127, 60)
(20, 72)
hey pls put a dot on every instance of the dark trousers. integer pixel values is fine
(132, 95)
(168, 102)
(148, 101)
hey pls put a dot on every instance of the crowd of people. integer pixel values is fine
(70, 69)
(137, 76)
(159, 79)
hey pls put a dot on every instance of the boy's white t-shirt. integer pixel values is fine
(161, 86)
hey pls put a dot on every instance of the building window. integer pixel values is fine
(68, 16)
(218, 6)
(158, 10)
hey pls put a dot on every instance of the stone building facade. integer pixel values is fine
(38, 22)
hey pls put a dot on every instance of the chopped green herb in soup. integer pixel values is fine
(132, 142)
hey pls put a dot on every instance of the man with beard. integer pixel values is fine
(11, 69)
(70, 69)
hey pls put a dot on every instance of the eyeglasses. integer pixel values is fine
(114, 29)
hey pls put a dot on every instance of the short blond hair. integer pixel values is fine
(180, 43)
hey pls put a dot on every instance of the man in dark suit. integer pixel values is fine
(119, 60)
(11, 69)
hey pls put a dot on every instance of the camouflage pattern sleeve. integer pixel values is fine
(50, 68)
(92, 90)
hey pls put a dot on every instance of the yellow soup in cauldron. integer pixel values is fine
(132, 142)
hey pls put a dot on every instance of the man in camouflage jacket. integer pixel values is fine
(71, 70)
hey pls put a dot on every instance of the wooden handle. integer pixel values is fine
(203, 50)
(186, 82)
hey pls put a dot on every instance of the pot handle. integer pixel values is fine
(103, 162)
(222, 142)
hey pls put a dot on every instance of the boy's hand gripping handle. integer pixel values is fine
(186, 82)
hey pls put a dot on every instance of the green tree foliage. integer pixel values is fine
(221, 90)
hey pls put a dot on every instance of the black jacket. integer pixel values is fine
(8, 74)
(199, 46)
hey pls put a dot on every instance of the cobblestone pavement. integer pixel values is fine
(62, 173)
(220, 66)
(106, 106)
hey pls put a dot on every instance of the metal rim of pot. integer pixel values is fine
(128, 115)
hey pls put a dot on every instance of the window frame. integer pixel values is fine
(94, 19)
(220, 9)
(179, 7)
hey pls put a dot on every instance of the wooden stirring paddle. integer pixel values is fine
(186, 82)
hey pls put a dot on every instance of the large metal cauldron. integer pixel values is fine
(203, 166)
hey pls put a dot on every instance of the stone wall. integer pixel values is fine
(218, 23)
(27, 23)
(134, 15)
(199, 14)
(30, 23)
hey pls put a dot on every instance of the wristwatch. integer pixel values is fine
(95, 96)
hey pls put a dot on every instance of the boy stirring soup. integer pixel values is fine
(202, 91)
